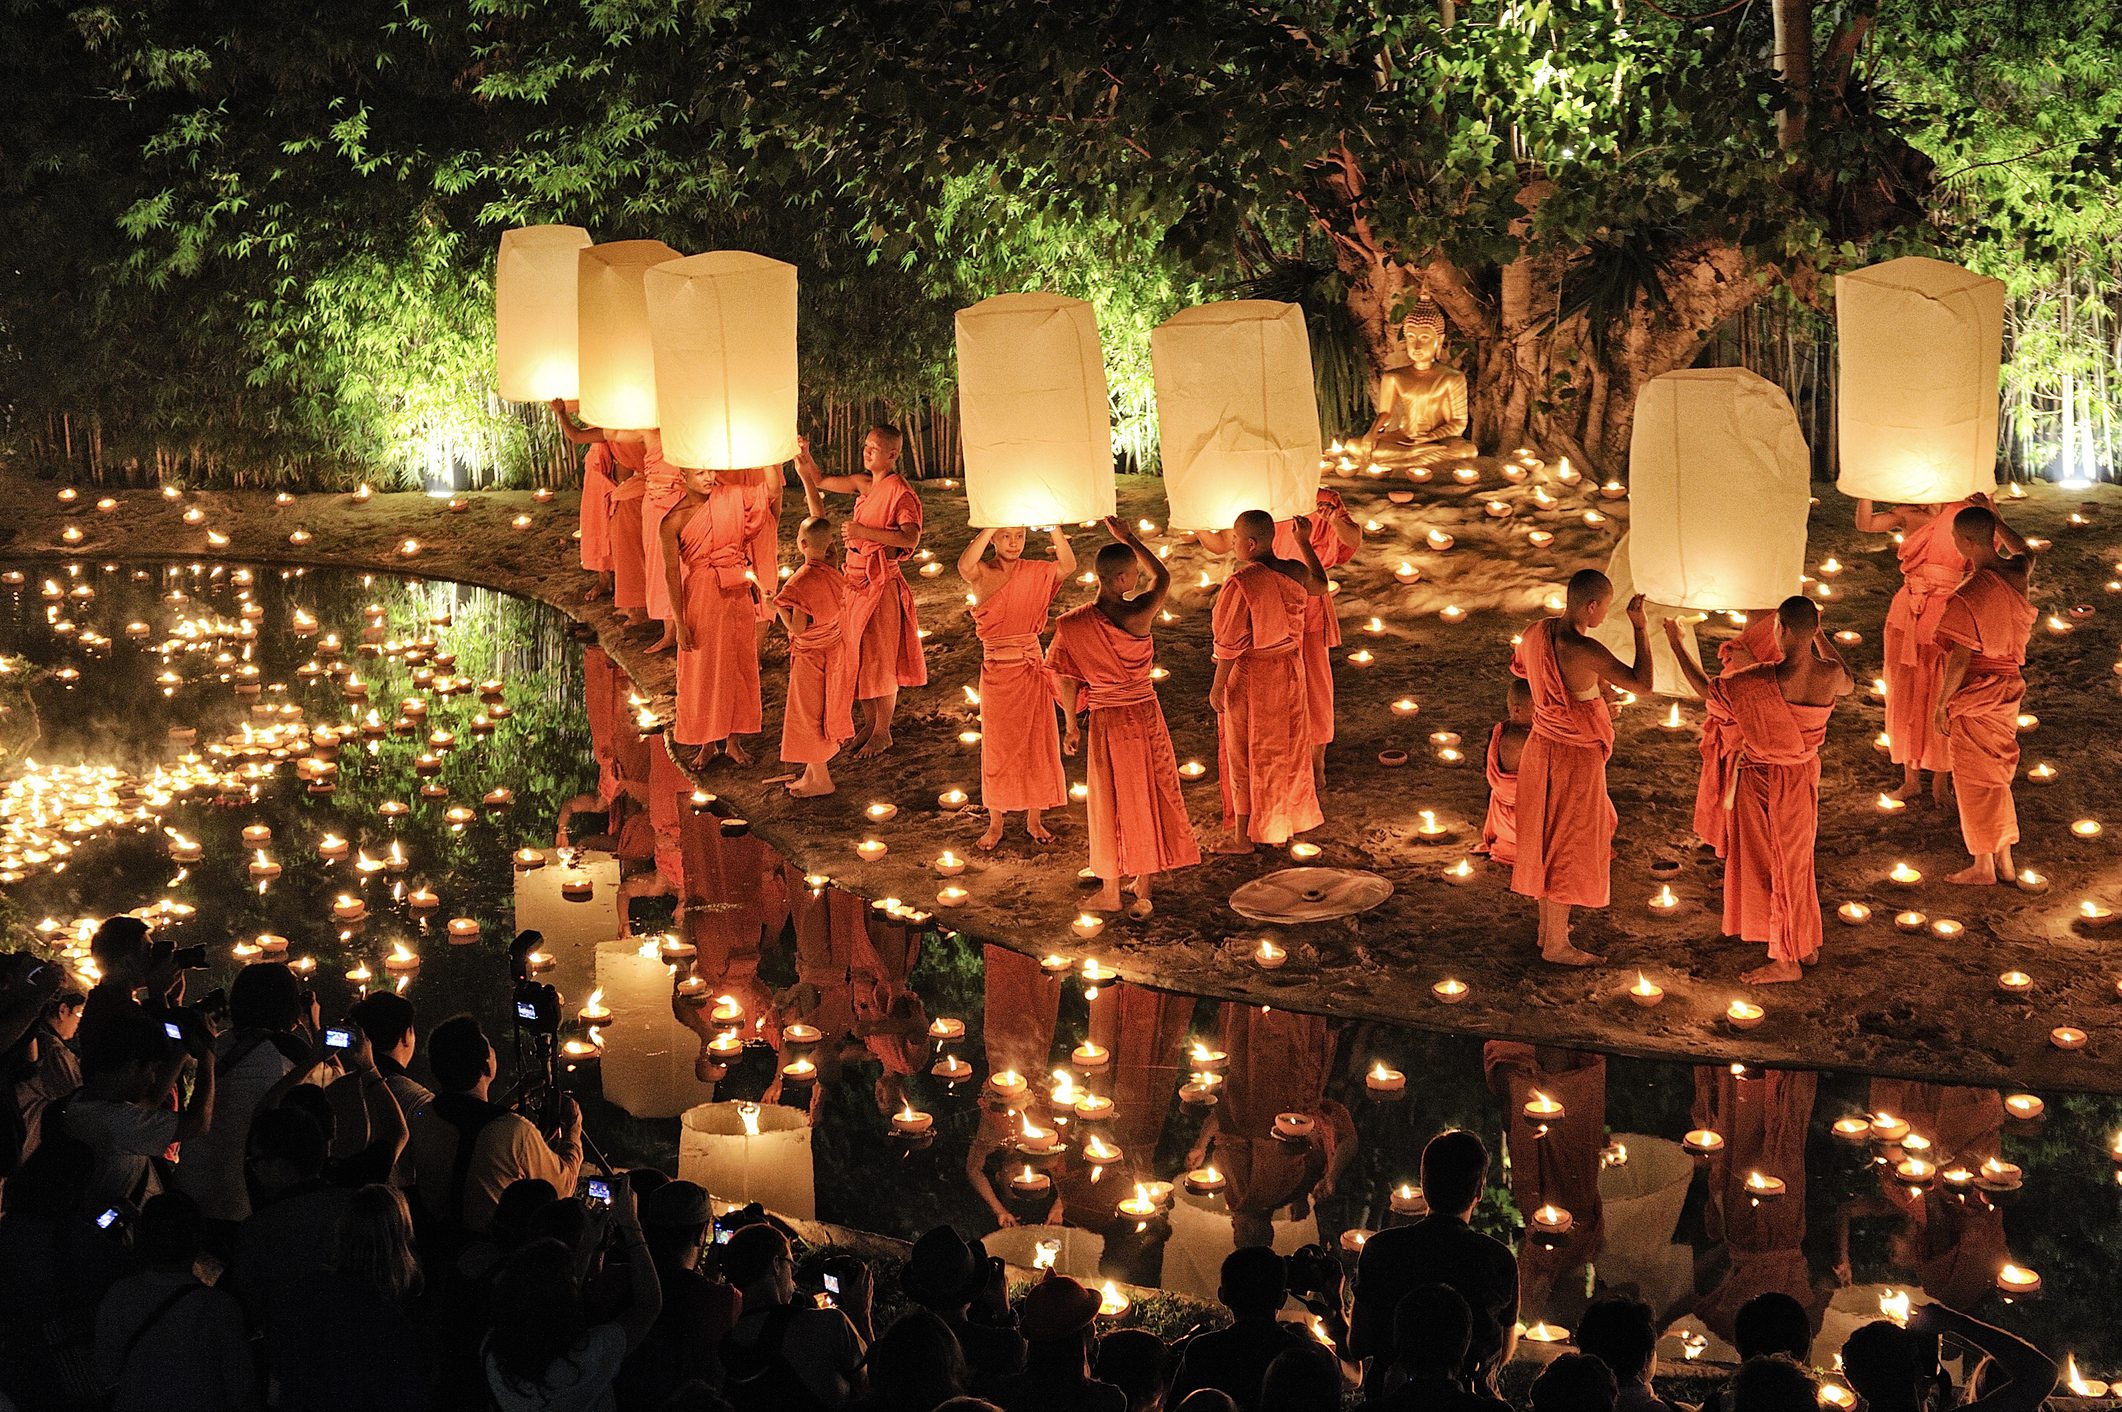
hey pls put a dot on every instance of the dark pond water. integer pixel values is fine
(849, 991)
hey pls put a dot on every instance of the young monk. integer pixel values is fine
(594, 521)
(1263, 722)
(821, 694)
(1778, 713)
(633, 453)
(1101, 656)
(1983, 630)
(1931, 568)
(1020, 748)
(1720, 742)
(1565, 818)
(883, 640)
(1506, 747)
(717, 551)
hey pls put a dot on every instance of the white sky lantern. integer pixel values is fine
(1236, 412)
(1719, 482)
(648, 1055)
(1920, 342)
(572, 930)
(723, 329)
(744, 1152)
(535, 313)
(1033, 412)
(1618, 635)
(618, 369)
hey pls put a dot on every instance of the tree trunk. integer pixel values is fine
(1794, 65)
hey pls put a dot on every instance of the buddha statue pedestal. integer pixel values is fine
(1421, 406)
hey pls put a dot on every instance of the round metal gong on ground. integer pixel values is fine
(1297, 895)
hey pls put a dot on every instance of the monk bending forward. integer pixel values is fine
(883, 640)
(1101, 656)
(1776, 712)
(1565, 819)
(1263, 721)
(1020, 749)
(1983, 629)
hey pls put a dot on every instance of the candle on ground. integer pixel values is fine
(1644, 993)
(1743, 1014)
(1449, 992)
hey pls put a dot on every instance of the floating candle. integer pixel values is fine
(1293, 1127)
(348, 909)
(2025, 1107)
(1090, 1055)
(463, 930)
(1762, 1187)
(1030, 1183)
(1009, 1086)
(1384, 1079)
(910, 1121)
(1703, 1141)
(1887, 1128)
(2017, 1281)
(1543, 1108)
(1551, 1220)
(401, 962)
(1408, 1200)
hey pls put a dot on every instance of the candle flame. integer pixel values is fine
(1643, 985)
(1894, 1305)
(748, 1113)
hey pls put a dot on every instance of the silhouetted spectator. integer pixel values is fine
(1895, 1369)
(958, 1281)
(1253, 1285)
(120, 1111)
(1770, 1323)
(914, 1366)
(386, 1018)
(1136, 1362)
(1620, 1332)
(783, 1356)
(697, 1311)
(505, 1146)
(1431, 1330)
(283, 1248)
(355, 1343)
(165, 1341)
(1774, 1383)
(1058, 1317)
(1574, 1382)
(1302, 1379)
(56, 1263)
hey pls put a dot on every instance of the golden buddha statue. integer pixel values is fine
(1421, 406)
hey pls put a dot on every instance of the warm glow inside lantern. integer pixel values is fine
(1719, 485)
(1619, 637)
(1236, 411)
(535, 313)
(744, 1152)
(723, 330)
(1920, 342)
(618, 387)
(1033, 412)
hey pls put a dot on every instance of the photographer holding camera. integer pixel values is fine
(122, 1110)
(132, 964)
(467, 1148)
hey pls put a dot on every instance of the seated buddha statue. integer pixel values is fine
(1421, 406)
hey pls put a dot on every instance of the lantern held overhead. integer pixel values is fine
(618, 387)
(1034, 414)
(536, 320)
(722, 327)
(1237, 412)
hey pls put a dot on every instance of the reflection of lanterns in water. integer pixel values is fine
(1894, 1305)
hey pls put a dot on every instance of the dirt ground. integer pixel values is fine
(1882, 1000)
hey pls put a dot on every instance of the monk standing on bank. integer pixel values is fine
(883, 640)
(1263, 721)
(1101, 656)
(1565, 817)
(718, 556)
(1720, 740)
(1931, 568)
(1983, 630)
(1506, 748)
(819, 713)
(1335, 536)
(1020, 747)
(1777, 712)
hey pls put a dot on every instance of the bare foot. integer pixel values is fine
(1226, 841)
(876, 745)
(736, 753)
(595, 592)
(664, 643)
(1909, 789)
(1983, 874)
(1039, 832)
(1569, 955)
(800, 790)
(1139, 909)
(632, 617)
(1107, 898)
(993, 835)
(1941, 787)
(1774, 973)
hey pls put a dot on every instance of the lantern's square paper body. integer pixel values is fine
(1033, 414)
(1920, 343)
(1237, 413)
(618, 367)
(722, 328)
(536, 320)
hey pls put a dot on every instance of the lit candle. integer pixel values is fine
(1268, 956)
(1887, 1128)
(1406, 706)
(1539, 538)
(2086, 828)
(257, 835)
(2025, 1107)
(1429, 830)
(2067, 1037)
(951, 896)
(949, 864)
(1361, 657)
(1087, 925)
(1092, 1107)
(1911, 921)
(1853, 913)
(951, 799)
(1460, 873)
(1385, 1080)
(1293, 1127)
(1644, 993)
(462, 931)
(1552, 1220)
(1090, 1055)
(799, 1071)
(1743, 1015)
(1406, 572)
(1449, 992)
(348, 909)
(2030, 881)
(401, 962)
(1408, 1200)
(1542, 1108)
(2015, 983)
(1890, 805)
(1703, 1141)
(1303, 852)
(262, 868)
(1438, 540)
(881, 812)
(1100, 1153)
(1946, 929)
(1665, 901)
(1192, 770)
(1452, 613)
(1030, 1183)
(1540, 1331)
(870, 849)
(911, 1122)
(1762, 1187)
(1904, 875)
(1200, 1088)
(1009, 1086)
(2017, 1281)
(2094, 914)
(2043, 773)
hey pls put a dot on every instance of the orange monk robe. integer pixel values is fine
(1565, 818)
(665, 814)
(1263, 732)
(600, 688)
(1279, 1063)
(1499, 831)
(1322, 628)
(1020, 744)
(821, 693)
(726, 551)
(1137, 816)
(1931, 568)
(595, 519)
(1764, 1118)
(1720, 744)
(879, 627)
(1020, 1005)
(1992, 620)
(1770, 892)
(629, 554)
(1553, 1161)
(663, 490)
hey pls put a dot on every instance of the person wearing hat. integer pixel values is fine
(956, 1280)
(1059, 1319)
(697, 1311)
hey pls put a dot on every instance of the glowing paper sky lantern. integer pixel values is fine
(618, 370)
(723, 330)
(1619, 637)
(744, 1152)
(1236, 411)
(1920, 344)
(1719, 485)
(535, 315)
(1033, 412)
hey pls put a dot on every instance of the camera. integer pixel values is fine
(174, 1030)
(191, 958)
(338, 1037)
(597, 1191)
(1313, 1272)
(537, 1007)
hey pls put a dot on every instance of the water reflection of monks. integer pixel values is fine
(1279, 1063)
(731, 897)
(1553, 1162)
(627, 780)
(1019, 1009)
(1763, 1115)
(1144, 1033)
(1949, 1242)
(890, 1020)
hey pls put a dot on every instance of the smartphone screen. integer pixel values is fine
(338, 1037)
(173, 1030)
(832, 1284)
(108, 1219)
(599, 1190)
(722, 1237)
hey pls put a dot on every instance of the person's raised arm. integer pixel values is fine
(1638, 675)
(815, 479)
(969, 561)
(1689, 667)
(1160, 577)
(577, 434)
(2029, 1374)
(1064, 552)
(1824, 649)
(1314, 576)
(644, 1290)
(1344, 526)
(1872, 520)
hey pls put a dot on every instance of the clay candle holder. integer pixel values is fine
(2017, 1282)
(2067, 1037)
(1743, 1015)
(1542, 1108)
(2016, 984)
(1703, 1141)
(1383, 1080)
(1449, 992)
(1904, 875)
(1550, 1220)
(1644, 993)
(1204, 1181)
(1888, 1129)
(909, 1121)
(2024, 1107)
(1268, 956)
(1761, 1187)
(1854, 914)
(1408, 1201)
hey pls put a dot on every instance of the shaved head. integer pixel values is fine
(1255, 524)
(817, 527)
(1798, 615)
(1113, 560)
(1588, 586)
(1976, 523)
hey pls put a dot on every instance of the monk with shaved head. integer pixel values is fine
(1263, 723)
(1983, 629)
(1565, 817)
(1776, 713)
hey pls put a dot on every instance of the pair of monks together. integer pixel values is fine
(1758, 801)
